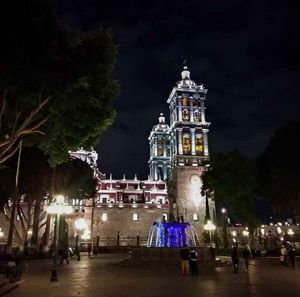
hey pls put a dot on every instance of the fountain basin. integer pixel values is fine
(165, 256)
(172, 235)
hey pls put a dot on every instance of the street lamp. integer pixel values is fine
(290, 232)
(81, 229)
(57, 208)
(246, 234)
(233, 234)
(224, 227)
(209, 226)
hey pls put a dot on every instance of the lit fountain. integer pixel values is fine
(165, 240)
(172, 235)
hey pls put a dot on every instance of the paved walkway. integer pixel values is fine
(102, 276)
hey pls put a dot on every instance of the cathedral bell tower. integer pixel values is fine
(160, 150)
(189, 153)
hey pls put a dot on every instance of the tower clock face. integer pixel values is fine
(195, 179)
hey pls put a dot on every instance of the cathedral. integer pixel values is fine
(178, 157)
(124, 210)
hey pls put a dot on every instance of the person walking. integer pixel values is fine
(235, 258)
(63, 256)
(193, 261)
(283, 255)
(185, 255)
(291, 254)
(89, 250)
(246, 255)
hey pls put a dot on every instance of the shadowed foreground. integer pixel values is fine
(102, 276)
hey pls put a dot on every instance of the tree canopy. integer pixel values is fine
(232, 179)
(279, 170)
(73, 179)
(42, 58)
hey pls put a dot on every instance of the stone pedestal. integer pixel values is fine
(169, 256)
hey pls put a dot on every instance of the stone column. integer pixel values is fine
(202, 111)
(151, 148)
(155, 171)
(191, 110)
(205, 143)
(155, 146)
(164, 146)
(193, 141)
(151, 169)
(179, 109)
(180, 150)
(165, 170)
(174, 147)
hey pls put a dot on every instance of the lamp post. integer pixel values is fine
(209, 226)
(57, 208)
(224, 228)
(82, 230)
(290, 232)
(246, 234)
(233, 234)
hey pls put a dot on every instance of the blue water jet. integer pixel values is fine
(172, 235)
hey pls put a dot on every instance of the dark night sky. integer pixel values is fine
(245, 53)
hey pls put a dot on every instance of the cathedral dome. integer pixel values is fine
(161, 126)
(186, 81)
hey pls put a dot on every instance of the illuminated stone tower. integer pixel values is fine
(160, 150)
(189, 151)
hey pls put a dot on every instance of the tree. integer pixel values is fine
(43, 58)
(24, 124)
(279, 170)
(232, 178)
(74, 179)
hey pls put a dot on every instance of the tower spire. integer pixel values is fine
(185, 74)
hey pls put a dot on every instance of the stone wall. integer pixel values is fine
(188, 197)
(120, 222)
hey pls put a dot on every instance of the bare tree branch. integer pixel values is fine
(3, 105)
(7, 156)
(22, 219)
(17, 235)
(16, 121)
(9, 145)
(42, 225)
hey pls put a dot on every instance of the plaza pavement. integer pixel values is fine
(104, 277)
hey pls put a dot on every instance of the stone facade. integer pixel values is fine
(189, 204)
(125, 221)
(190, 154)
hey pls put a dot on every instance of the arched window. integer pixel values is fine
(196, 103)
(196, 116)
(185, 101)
(186, 144)
(133, 198)
(159, 151)
(168, 152)
(160, 199)
(185, 115)
(199, 144)
(160, 172)
(104, 198)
